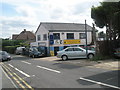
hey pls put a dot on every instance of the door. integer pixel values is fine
(56, 49)
(79, 53)
(70, 53)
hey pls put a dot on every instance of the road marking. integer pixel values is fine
(19, 70)
(22, 72)
(49, 69)
(11, 65)
(9, 79)
(19, 78)
(99, 83)
(25, 62)
(14, 77)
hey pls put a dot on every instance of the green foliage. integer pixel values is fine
(11, 45)
(10, 49)
(6, 42)
(99, 57)
(104, 13)
(101, 34)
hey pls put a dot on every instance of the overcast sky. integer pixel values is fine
(27, 14)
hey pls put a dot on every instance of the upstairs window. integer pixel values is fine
(38, 37)
(56, 36)
(44, 36)
(70, 35)
(82, 35)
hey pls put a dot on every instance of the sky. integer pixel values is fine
(17, 15)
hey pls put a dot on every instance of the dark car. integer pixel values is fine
(4, 56)
(117, 53)
(33, 52)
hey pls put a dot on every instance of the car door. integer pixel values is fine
(79, 53)
(69, 52)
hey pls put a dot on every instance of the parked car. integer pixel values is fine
(91, 47)
(19, 50)
(4, 56)
(117, 53)
(33, 52)
(74, 52)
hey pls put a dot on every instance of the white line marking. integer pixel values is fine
(22, 72)
(99, 83)
(9, 78)
(25, 62)
(49, 69)
(11, 65)
(19, 70)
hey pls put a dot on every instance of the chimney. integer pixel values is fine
(24, 30)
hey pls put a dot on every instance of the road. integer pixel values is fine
(24, 72)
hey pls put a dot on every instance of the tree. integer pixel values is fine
(108, 15)
(101, 35)
(104, 15)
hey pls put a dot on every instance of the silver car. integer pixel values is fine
(75, 52)
(4, 56)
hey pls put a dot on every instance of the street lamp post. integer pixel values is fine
(86, 38)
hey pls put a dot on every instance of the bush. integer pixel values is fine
(10, 49)
(99, 57)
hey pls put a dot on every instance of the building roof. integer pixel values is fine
(64, 26)
(25, 35)
(14, 36)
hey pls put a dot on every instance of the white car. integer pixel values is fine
(19, 50)
(75, 52)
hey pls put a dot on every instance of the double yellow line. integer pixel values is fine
(17, 78)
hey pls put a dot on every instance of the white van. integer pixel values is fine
(19, 50)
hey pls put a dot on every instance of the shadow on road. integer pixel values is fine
(20, 57)
(111, 78)
(66, 66)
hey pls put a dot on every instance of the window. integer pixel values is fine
(44, 36)
(56, 35)
(77, 49)
(38, 37)
(70, 35)
(82, 36)
(69, 49)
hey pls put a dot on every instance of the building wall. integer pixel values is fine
(60, 45)
(63, 37)
(40, 32)
(76, 36)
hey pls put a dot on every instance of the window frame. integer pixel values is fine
(39, 37)
(82, 37)
(56, 38)
(68, 34)
(69, 51)
(77, 48)
(44, 37)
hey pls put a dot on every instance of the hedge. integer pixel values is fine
(10, 49)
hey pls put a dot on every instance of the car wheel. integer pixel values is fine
(90, 56)
(64, 57)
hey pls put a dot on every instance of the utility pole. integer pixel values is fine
(86, 38)
(94, 38)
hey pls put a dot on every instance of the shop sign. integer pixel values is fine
(41, 44)
(57, 41)
(75, 41)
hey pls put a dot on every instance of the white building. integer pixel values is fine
(56, 36)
